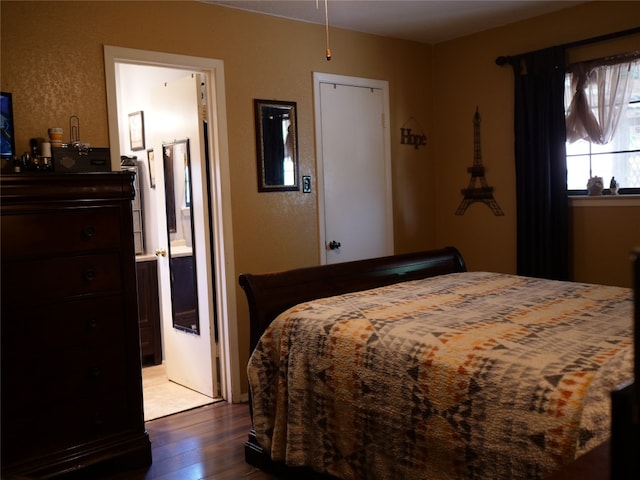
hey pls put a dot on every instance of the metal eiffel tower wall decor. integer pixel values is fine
(478, 190)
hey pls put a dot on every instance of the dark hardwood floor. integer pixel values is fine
(203, 443)
(208, 443)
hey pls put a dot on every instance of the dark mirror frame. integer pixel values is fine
(169, 187)
(272, 145)
(183, 273)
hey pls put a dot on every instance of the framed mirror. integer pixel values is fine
(181, 251)
(276, 145)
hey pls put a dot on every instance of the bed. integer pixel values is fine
(412, 367)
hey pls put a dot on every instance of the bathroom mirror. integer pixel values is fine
(276, 145)
(181, 251)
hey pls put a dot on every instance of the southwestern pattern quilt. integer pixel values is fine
(469, 375)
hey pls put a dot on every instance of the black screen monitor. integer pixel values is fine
(8, 146)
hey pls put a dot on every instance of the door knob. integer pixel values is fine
(333, 245)
(161, 252)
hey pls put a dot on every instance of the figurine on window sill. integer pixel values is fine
(595, 186)
(614, 186)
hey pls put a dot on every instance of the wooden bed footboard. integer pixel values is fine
(270, 294)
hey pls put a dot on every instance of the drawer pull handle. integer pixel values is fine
(89, 231)
(89, 275)
(92, 323)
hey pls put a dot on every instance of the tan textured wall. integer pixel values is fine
(52, 62)
(603, 238)
(467, 77)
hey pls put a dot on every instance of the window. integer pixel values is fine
(619, 158)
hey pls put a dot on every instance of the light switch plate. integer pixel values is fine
(306, 184)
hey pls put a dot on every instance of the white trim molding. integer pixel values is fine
(225, 276)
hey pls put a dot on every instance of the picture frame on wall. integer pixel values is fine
(7, 143)
(151, 162)
(136, 130)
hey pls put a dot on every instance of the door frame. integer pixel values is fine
(224, 271)
(319, 78)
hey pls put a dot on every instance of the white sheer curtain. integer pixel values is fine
(600, 93)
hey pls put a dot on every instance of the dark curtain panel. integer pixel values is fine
(541, 177)
(273, 146)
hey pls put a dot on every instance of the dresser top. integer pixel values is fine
(29, 187)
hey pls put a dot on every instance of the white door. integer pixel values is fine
(176, 115)
(354, 172)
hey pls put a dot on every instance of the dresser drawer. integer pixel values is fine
(80, 420)
(60, 231)
(61, 375)
(89, 322)
(55, 278)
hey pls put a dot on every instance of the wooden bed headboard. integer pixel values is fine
(270, 294)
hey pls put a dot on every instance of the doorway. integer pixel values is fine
(222, 277)
(354, 168)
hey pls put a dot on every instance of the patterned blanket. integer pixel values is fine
(469, 375)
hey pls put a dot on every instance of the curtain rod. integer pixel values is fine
(502, 60)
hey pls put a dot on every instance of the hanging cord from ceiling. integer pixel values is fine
(326, 26)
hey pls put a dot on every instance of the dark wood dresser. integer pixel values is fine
(71, 368)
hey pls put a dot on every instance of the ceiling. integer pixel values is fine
(424, 21)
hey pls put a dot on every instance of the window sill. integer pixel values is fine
(604, 201)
